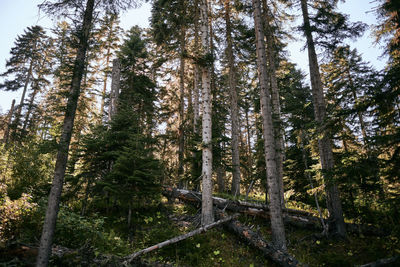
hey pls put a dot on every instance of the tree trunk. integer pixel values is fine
(336, 220)
(235, 188)
(256, 241)
(63, 148)
(103, 93)
(276, 109)
(181, 136)
(277, 227)
(115, 84)
(221, 173)
(207, 215)
(196, 104)
(21, 103)
(9, 119)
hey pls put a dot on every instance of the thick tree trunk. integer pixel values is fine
(9, 119)
(177, 239)
(276, 108)
(115, 86)
(63, 148)
(181, 135)
(235, 188)
(336, 220)
(278, 230)
(207, 215)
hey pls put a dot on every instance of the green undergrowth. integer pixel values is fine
(110, 235)
(305, 247)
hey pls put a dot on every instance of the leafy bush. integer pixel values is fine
(13, 214)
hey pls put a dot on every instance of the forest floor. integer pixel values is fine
(216, 247)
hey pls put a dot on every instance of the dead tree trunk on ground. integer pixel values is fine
(176, 239)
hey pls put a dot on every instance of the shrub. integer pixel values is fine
(13, 214)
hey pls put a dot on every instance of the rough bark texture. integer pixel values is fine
(177, 239)
(207, 215)
(115, 86)
(276, 107)
(235, 188)
(9, 118)
(336, 220)
(278, 230)
(63, 148)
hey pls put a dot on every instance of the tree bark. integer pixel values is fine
(278, 230)
(207, 215)
(21, 103)
(181, 135)
(336, 220)
(9, 119)
(115, 86)
(276, 108)
(235, 188)
(63, 148)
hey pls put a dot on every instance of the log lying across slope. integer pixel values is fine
(255, 240)
(292, 217)
(131, 257)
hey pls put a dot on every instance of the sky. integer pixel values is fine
(17, 15)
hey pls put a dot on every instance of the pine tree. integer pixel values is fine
(24, 62)
(62, 156)
(332, 27)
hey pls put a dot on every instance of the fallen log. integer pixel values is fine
(131, 257)
(292, 217)
(256, 241)
(244, 207)
(393, 261)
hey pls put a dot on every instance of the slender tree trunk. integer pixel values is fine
(30, 106)
(181, 135)
(207, 215)
(235, 188)
(278, 230)
(115, 86)
(197, 76)
(221, 173)
(103, 93)
(276, 108)
(63, 148)
(21, 103)
(336, 220)
(9, 119)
